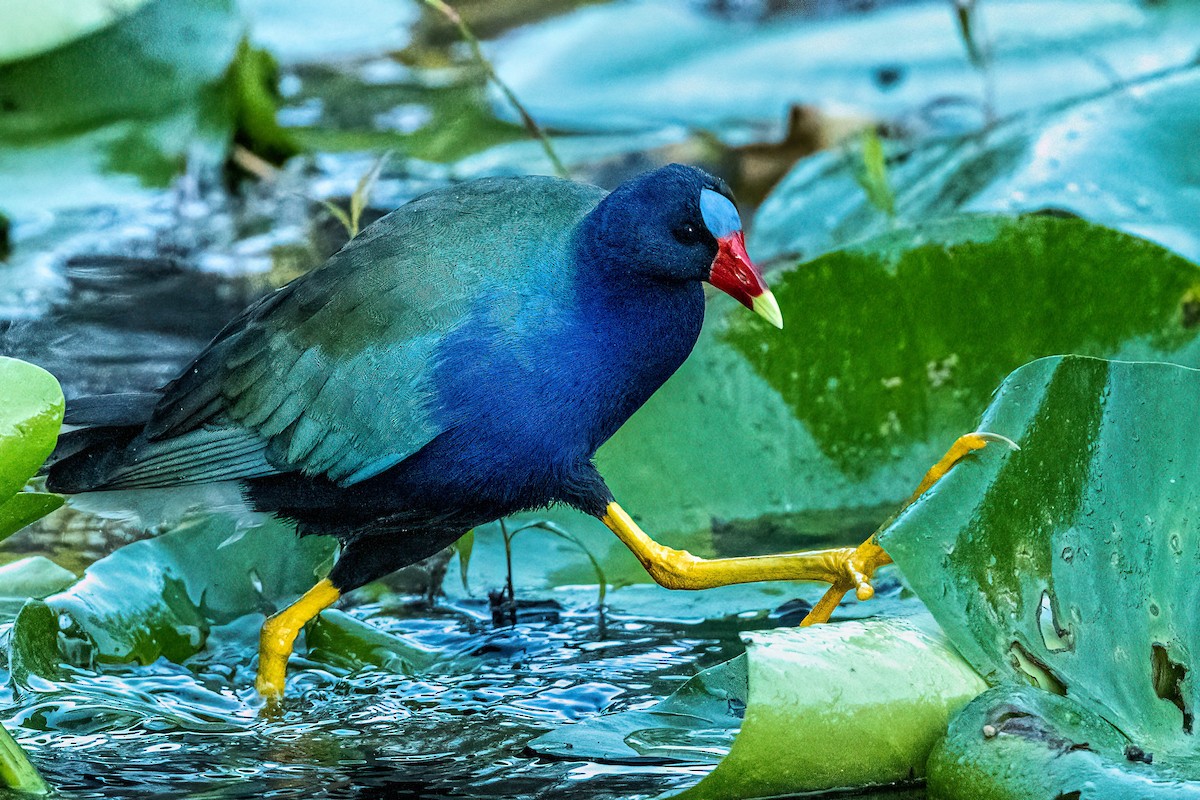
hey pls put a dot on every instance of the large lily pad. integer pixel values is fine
(647, 64)
(827, 707)
(1070, 564)
(1122, 159)
(161, 596)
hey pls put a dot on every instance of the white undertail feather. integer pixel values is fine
(167, 507)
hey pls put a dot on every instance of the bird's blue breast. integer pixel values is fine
(537, 378)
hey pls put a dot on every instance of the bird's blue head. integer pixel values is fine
(680, 224)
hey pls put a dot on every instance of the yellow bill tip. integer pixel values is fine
(767, 307)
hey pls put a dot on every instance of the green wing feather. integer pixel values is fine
(333, 374)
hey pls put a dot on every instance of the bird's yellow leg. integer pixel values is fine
(869, 556)
(679, 569)
(279, 635)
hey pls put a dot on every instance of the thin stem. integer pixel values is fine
(530, 123)
(508, 561)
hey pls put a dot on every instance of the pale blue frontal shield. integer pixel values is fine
(720, 215)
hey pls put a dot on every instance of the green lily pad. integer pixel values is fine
(34, 26)
(341, 640)
(15, 770)
(681, 64)
(833, 706)
(1045, 746)
(160, 596)
(31, 412)
(137, 99)
(1123, 159)
(1069, 564)
(35, 576)
(24, 508)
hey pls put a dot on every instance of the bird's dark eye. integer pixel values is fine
(687, 233)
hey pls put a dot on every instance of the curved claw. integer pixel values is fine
(998, 438)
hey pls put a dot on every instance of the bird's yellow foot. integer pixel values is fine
(279, 634)
(858, 566)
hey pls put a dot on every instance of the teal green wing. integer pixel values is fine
(333, 374)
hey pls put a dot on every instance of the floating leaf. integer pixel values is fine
(31, 412)
(35, 576)
(15, 770)
(682, 65)
(695, 724)
(1122, 159)
(34, 26)
(832, 706)
(1021, 743)
(340, 639)
(1069, 564)
(160, 596)
(136, 99)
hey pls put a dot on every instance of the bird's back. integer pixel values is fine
(334, 375)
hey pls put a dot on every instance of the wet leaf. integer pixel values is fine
(1046, 746)
(851, 704)
(34, 26)
(135, 99)
(1121, 159)
(844, 705)
(24, 508)
(35, 576)
(160, 596)
(31, 412)
(681, 64)
(695, 724)
(33, 649)
(343, 641)
(15, 770)
(1068, 564)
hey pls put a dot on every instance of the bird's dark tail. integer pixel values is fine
(102, 427)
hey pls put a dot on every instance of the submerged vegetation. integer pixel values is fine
(950, 198)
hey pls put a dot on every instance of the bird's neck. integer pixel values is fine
(637, 330)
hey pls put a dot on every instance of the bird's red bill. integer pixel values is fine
(735, 274)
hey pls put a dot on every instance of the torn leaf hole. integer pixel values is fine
(1015, 721)
(1056, 637)
(1037, 672)
(1168, 676)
